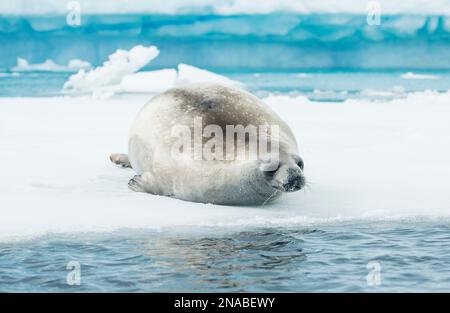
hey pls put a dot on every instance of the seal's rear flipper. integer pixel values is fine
(120, 159)
(145, 183)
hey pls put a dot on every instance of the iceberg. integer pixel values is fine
(228, 7)
(120, 74)
(275, 41)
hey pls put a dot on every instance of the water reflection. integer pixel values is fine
(414, 257)
(263, 258)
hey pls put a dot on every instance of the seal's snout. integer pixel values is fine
(285, 176)
(295, 180)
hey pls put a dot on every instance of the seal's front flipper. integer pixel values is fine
(120, 159)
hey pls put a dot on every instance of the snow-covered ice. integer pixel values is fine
(229, 7)
(191, 74)
(149, 81)
(161, 80)
(411, 75)
(50, 66)
(364, 160)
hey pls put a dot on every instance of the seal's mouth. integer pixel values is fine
(287, 188)
(293, 184)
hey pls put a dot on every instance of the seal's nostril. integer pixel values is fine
(297, 181)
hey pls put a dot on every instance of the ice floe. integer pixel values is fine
(120, 75)
(50, 66)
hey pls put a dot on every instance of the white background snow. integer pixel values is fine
(226, 7)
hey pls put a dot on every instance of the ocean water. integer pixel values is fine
(404, 256)
(328, 58)
(317, 85)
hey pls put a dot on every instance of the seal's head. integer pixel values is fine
(284, 174)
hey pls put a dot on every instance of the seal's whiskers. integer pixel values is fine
(265, 201)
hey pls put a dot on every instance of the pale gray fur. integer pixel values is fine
(222, 182)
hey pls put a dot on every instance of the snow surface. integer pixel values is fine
(226, 7)
(149, 81)
(364, 160)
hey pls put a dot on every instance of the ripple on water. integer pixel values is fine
(413, 257)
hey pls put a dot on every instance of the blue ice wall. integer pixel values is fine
(253, 42)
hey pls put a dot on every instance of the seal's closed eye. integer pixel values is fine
(270, 173)
(270, 167)
(301, 164)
